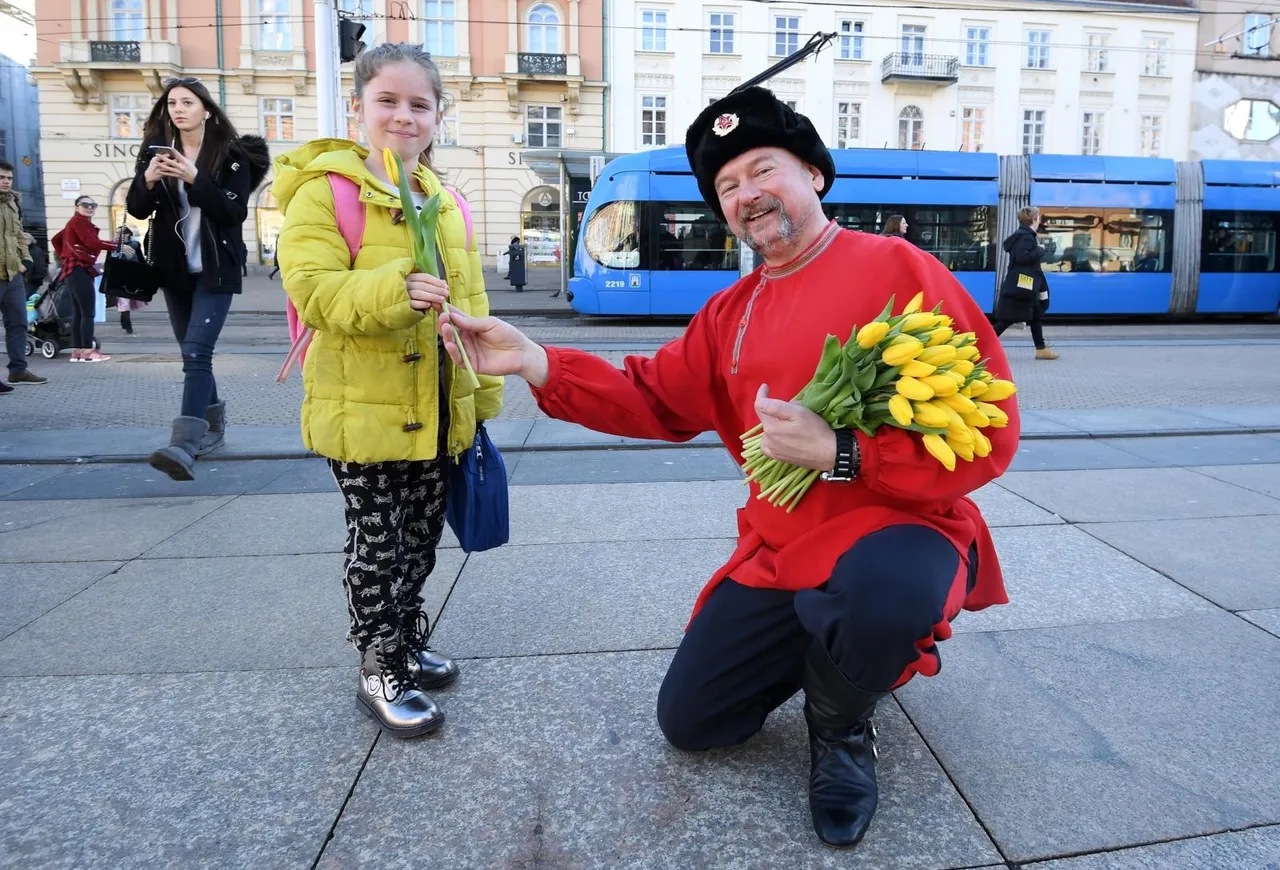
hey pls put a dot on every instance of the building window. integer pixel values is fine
(790, 104)
(542, 33)
(1097, 56)
(129, 115)
(447, 130)
(653, 120)
(653, 30)
(913, 44)
(127, 20)
(911, 129)
(277, 32)
(542, 125)
(362, 12)
(277, 119)
(973, 128)
(1093, 133)
(440, 28)
(848, 124)
(1156, 61)
(851, 34)
(977, 46)
(1252, 120)
(1152, 135)
(721, 33)
(786, 35)
(1033, 131)
(1038, 49)
(1257, 35)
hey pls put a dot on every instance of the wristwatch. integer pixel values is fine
(848, 458)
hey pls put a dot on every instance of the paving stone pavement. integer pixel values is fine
(175, 689)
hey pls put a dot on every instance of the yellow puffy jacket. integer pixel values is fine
(372, 390)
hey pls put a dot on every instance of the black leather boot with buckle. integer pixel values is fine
(842, 751)
(429, 669)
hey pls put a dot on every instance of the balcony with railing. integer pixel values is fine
(538, 64)
(119, 52)
(908, 66)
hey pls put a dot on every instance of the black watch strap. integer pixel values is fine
(848, 458)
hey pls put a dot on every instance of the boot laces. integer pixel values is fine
(416, 630)
(393, 663)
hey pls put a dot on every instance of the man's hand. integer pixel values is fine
(493, 346)
(794, 434)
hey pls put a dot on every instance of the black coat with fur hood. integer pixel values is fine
(223, 200)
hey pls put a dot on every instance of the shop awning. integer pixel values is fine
(546, 162)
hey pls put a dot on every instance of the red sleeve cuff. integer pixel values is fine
(554, 370)
(868, 456)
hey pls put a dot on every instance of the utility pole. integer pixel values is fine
(328, 71)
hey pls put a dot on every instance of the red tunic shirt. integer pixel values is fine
(769, 327)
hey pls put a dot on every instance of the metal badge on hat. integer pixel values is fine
(725, 124)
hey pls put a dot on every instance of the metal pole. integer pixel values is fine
(746, 260)
(564, 230)
(326, 67)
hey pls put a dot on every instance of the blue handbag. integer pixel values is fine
(477, 502)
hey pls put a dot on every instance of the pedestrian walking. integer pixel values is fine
(130, 249)
(847, 596)
(78, 247)
(193, 179)
(1024, 292)
(15, 261)
(383, 402)
(515, 264)
(895, 226)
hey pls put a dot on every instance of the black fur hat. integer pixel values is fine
(747, 119)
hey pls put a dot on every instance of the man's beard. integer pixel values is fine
(787, 228)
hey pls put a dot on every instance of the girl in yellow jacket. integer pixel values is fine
(383, 402)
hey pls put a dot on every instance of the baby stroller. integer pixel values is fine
(49, 320)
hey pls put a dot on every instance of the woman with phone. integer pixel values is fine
(193, 179)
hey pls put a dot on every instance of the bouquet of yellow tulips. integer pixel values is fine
(910, 370)
(422, 233)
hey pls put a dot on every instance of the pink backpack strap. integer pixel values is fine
(466, 214)
(350, 215)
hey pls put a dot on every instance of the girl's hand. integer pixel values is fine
(426, 291)
(153, 173)
(176, 165)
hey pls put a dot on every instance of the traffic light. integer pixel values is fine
(349, 44)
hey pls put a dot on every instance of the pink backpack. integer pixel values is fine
(350, 216)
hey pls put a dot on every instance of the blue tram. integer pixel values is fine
(1126, 236)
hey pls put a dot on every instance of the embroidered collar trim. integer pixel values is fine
(807, 256)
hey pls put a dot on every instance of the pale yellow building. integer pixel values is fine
(519, 74)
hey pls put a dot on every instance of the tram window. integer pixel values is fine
(1106, 240)
(612, 236)
(1238, 241)
(688, 236)
(960, 237)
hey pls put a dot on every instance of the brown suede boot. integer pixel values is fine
(1045, 353)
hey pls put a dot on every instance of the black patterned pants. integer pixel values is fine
(395, 516)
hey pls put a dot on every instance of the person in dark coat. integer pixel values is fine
(1024, 293)
(39, 270)
(515, 264)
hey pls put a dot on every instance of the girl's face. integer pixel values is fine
(400, 110)
(186, 111)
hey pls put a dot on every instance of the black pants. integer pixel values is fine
(197, 316)
(1036, 323)
(395, 515)
(80, 286)
(126, 321)
(888, 600)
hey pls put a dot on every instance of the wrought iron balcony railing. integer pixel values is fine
(118, 52)
(913, 66)
(529, 63)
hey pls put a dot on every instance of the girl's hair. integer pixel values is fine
(1027, 215)
(893, 225)
(371, 62)
(219, 132)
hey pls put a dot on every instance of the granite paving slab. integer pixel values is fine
(559, 433)
(1089, 737)
(192, 771)
(625, 466)
(1259, 478)
(1266, 619)
(200, 615)
(558, 762)
(1034, 423)
(87, 530)
(576, 598)
(625, 512)
(1109, 420)
(1231, 562)
(15, 478)
(1063, 576)
(300, 475)
(263, 525)
(1002, 508)
(1123, 494)
(1182, 450)
(139, 480)
(32, 589)
(1257, 849)
(1243, 415)
(1071, 455)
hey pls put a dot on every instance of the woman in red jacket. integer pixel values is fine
(78, 247)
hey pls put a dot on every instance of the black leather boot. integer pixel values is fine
(842, 752)
(429, 669)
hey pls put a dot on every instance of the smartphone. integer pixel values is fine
(164, 149)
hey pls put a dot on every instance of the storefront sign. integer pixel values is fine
(116, 150)
(70, 184)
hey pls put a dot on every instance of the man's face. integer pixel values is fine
(769, 197)
(6, 181)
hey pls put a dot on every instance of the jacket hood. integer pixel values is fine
(1008, 243)
(339, 156)
(255, 150)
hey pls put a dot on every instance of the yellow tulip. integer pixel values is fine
(941, 335)
(975, 419)
(872, 334)
(961, 434)
(900, 408)
(937, 356)
(960, 404)
(900, 353)
(389, 164)
(999, 419)
(999, 390)
(940, 451)
(974, 388)
(969, 352)
(917, 369)
(962, 367)
(981, 445)
(919, 320)
(914, 305)
(914, 389)
(986, 377)
(964, 450)
(927, 415)
(941, 384)
(944, 320)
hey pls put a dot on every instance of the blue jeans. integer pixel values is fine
(13, 308)
(197, 316)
